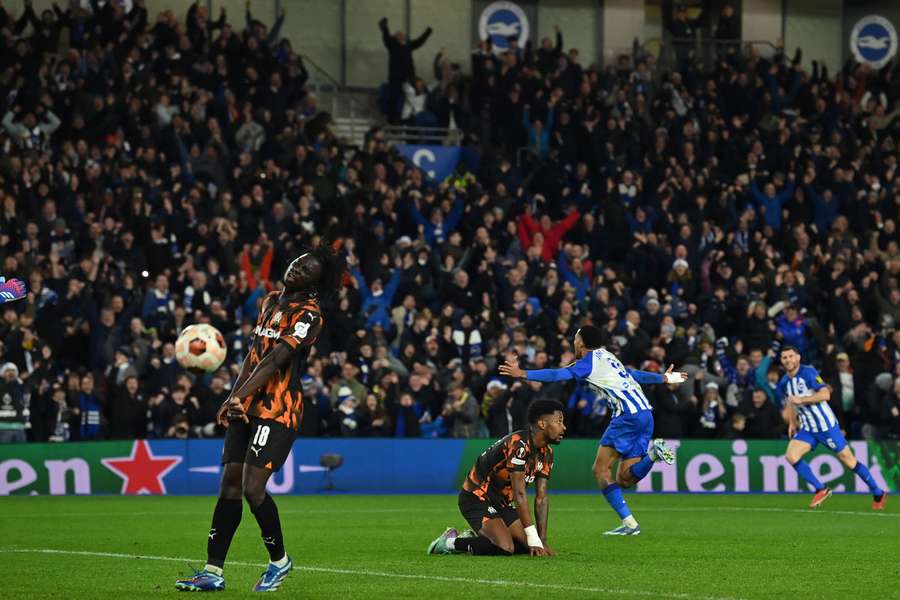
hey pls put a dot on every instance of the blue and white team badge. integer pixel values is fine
(873, 41)
(501, 21)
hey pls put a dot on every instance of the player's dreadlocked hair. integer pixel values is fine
(334, 265)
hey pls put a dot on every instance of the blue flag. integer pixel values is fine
(436, 162)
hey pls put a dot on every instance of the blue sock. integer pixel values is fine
(613, 495)
(864, 474)
(806, 473)
(642, 467)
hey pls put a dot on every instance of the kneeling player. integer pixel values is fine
(812, 422)
(493, 498)
(263, 413)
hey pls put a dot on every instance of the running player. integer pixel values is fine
(262, 415)
(812, 422)
(629, 432)
(493, 498)
(11, 290)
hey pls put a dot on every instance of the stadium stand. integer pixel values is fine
(157, 173)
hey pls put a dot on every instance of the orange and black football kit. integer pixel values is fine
(275, 409)
(487, 491)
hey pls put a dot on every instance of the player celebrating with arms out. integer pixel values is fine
(812, 422)
(629, 432)
(498, 480)
(262, 415)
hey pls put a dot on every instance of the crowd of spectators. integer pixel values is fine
(156, 174)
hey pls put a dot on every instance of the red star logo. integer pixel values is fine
(142, 472)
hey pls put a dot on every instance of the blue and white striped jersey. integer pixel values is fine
(813, 417)
(602, 370)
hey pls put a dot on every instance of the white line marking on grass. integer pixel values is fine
(152, 513)
(147, 513)
(808, 511)
(387, 574)
(325, 511)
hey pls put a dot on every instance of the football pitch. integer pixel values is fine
(343, 546)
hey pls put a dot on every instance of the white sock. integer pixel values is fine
(280, 562)
(451, 543)
(630, 521)
(213, 569)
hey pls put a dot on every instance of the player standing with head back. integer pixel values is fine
(812, 422)
(263, 413)
(629, 432)
(498, 480)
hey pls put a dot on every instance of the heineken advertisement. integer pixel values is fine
(721, 466)
(412, 466)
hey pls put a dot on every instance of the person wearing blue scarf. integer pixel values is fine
(90, 408)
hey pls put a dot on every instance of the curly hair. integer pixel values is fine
(543, 407)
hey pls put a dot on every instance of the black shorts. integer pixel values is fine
(261, 442)
(477, 511)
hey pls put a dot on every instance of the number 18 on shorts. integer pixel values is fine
(263, 443)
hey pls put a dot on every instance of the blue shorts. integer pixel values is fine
(629, 434)
(833, 438)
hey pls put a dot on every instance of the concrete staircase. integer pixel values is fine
(354, 111)
(352, 130)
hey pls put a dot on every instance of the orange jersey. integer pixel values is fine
(296, 324)
(489, 478)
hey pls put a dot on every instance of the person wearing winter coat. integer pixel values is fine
(377, 299)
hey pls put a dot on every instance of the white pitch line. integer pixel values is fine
(325, 511)
(151, 513)
(806, 511)
(387, 574)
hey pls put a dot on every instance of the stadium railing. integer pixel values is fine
(413, 134)
(352, 108)
(666, 49)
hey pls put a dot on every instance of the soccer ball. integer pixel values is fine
(200, 348)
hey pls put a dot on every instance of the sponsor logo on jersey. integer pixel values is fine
(267, 332)
(301, 329)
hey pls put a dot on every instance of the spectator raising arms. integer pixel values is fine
(551, 233)
(401, 66)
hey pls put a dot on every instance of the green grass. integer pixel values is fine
(374, 547)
